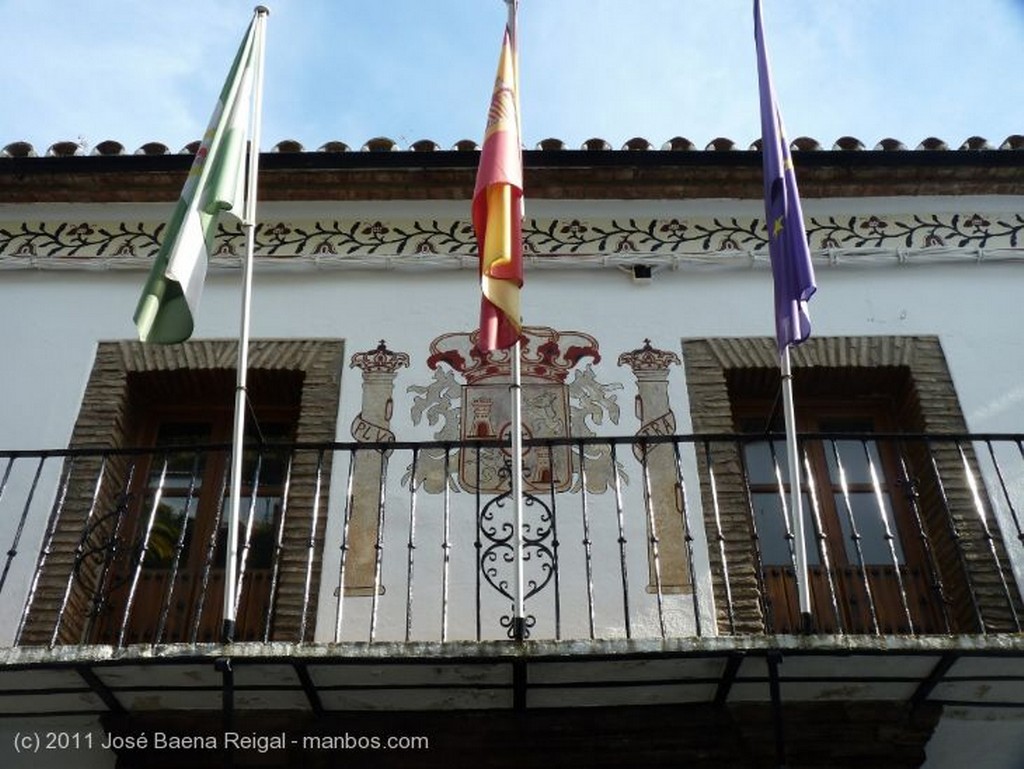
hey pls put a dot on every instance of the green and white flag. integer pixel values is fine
(216, 183)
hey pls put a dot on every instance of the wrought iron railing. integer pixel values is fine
(633, 537)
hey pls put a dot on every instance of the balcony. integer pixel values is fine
(380, 577)
(624, 538)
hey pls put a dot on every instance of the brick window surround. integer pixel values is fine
(927, 402)
(105, 421)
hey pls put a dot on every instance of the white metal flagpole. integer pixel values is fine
(516, 393)
(793, 276)
(231, 591)
(796, 506)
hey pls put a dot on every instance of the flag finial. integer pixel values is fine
(261, 10)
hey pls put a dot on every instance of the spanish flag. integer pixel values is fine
(498, 210)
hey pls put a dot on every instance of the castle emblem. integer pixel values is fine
(560, 393)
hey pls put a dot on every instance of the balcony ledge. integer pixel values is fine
(965, 671)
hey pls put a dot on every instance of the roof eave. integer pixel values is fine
(564, 174)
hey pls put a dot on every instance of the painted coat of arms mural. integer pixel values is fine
(562, 398)
(466, 404)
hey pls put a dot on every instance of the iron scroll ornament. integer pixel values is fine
(102, 543)
(496, 536)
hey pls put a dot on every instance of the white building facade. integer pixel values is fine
(376, 545)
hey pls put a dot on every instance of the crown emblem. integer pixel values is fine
(547, 355)
(648, 358)
(380, 360)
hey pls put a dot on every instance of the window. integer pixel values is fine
(165, 579)
(167, 400)
(879, 519)
(867, 567)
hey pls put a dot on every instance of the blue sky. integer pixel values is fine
(139, 70)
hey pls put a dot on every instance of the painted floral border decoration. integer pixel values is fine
(542, 237)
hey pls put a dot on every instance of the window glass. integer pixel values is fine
(762, 458)
(265, 469)
(771, 530)
(176, 477)
(855, 457)
(871, 521)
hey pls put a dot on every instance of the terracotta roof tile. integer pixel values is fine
(976, 143)
(679, 144)
(805, 144)
(890, 145)
(848, 144)
(288, 145)
(551, 145)
(64, 149)
(380, 144)
(638, 143)
(22, 149)
(334, 146)
(109, 147)
(153, 148)
(932, 143)
(18, 150)
(425, 145)
(721, 144)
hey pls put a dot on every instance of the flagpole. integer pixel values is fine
(231, 592)
(516, 394)
(516, 391)
(793, 275)
(796, 506)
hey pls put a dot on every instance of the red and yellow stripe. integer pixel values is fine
(497, 211)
